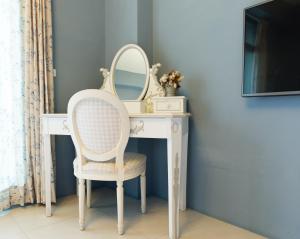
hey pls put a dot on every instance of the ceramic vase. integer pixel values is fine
(170, 91)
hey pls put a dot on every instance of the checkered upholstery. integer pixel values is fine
(133, 162)
(98, 124)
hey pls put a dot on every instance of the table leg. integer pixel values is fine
(174, 155)
(47, 158)
(183, 167)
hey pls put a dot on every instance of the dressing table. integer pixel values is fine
(141, 84)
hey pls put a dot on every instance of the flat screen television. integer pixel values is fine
(272, 49)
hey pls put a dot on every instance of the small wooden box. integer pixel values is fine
(175, 104)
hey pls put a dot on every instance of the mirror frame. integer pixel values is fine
(114, 64)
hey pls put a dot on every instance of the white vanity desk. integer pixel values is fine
(169, 125)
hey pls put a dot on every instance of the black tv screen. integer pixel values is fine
(272, 49)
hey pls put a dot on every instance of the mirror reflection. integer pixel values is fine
(130, 74)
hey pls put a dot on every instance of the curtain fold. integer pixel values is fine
(39, 96)
(36, 98)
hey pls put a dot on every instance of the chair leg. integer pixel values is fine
(88, 193)
(81, 204)
(143, 192)
(77, 187)
(120, 205)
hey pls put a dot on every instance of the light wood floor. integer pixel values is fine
(101, 221)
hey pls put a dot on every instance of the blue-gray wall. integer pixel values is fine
(128, 21)
(78, 28)
(244, 154)
(121, 26)
(145, 27)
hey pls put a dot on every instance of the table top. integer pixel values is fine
(142, 115)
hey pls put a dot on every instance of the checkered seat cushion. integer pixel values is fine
(134, 163)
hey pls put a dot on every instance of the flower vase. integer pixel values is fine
(170, 91)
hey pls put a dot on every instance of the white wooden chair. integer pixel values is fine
(99, 125)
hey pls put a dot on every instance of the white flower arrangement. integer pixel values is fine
(172, 79)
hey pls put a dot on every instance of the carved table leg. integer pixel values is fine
(183, 168)
(174, 155)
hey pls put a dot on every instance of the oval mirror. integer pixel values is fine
(130, 73)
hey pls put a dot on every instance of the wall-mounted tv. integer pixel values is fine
(272, 49)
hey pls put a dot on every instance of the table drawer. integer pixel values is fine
(57, 125)
(148, 128)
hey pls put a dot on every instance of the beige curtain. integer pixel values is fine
(38, 93)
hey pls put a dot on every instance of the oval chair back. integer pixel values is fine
(99, 126)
